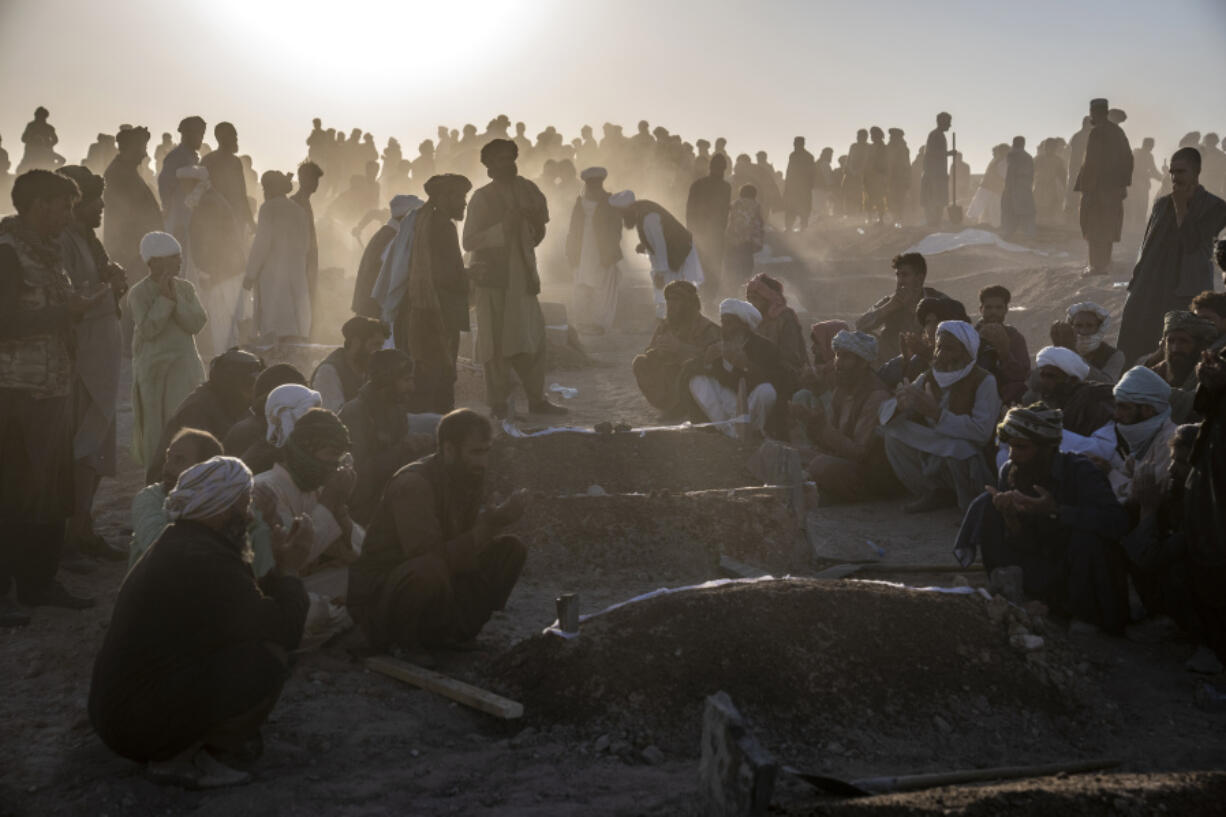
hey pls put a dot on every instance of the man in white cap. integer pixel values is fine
(936, 429)
(1143, 431)
(197, 652)
(593, 250)
(1085, 330)
(167, 315)
(668, 245)
(744, 360)
(1062, 384)
(376, 251)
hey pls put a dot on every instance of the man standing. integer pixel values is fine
(185, 154)
(99, 347)
(668, 245)
(1103, 184)
(506, 223)
(1176, 259)
(684, 335)
(213, 255)
(277, 263)
(1017, 211)
(1077, 157)
(898, 165)
(309, 175)
(131, 208)
(435, 564)
(1144, 171)
(226, 174)
(37, 310)
(593, 250)
(706, 217)
(853, 176)
(798, 186)
(378, 249)
(934, 187)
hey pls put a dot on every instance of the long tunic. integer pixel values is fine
(165, 364)
(131, 212)
(277, 266)
(798, 182)
(1017, 207)
(368, 272)
(934, 186)
(658, 370)
(1175, 264)
(168, 180)
(1103, 182)
(227, 177)
(593, 248)
(214, 256)
(952, 435)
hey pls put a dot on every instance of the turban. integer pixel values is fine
(401, 206)
(945, 309)
(966, 335)
(275, 375)
(593, 173)
(822, 334)
(622, 200)
(1099, 103)
(1036, 423)
(388, 363)
(744, 310)
(446, 183)
(858, 343)
(89, 183)
(1181, 320)
(1145, 387)
(769, 290)
(284, 407)
(197, 172)
(1066, 360)
(361, 327)
(681, 289)
(209, 488)
(495, 146)
(315, 430)
(235, 361)
(159, 245)
(128, 136)
(1104, 317)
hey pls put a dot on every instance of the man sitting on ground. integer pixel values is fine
(434, 566)
(343, 371)
(779, 322)
(895, 313)
(149, 518)
(247, 438)
(197, 652)
(685, 334)
(937, 428)
(852, 464)
(917, 347)
(1052, 514)
(1184, 337)
(744, 360)
(1013, 358)
(1083, 331)
(1143, 430)
(1062, 384)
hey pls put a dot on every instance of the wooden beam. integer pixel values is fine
(436, 682)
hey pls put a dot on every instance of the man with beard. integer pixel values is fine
(226, 174)
(684, 335)
(851, 465)
(376, 253)
(1062, 384)
(1052, 514)
(894, 314)
(706, 217)
(506, 223)
(378, 423)
(131, 208)
(339, 376)
(197, 651)
(593, 250)
(215, 405)
(798, 186)
(1103, 184)
(936, 429)
(779, 322)
(184, 154)
(248, 438)
(1143, 430)
(1184, 337)
(1211, 306)
(435, 566)
(149, 518)
(1084, 331)
(1176, 259)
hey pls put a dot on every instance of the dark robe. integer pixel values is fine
(1103, 182)
(1175, 264)
(351, 379)
(188, 650)
(227, 177)
(608, 224)
(798, 185)
(248, 440)
(131, 212)
(1017, 211)
(312, 270)
(706, 217)
(381, 445)
(658, 369)
(1204, 518)
(207, 409)
(934, 186)
(368, 272)
(784, 331)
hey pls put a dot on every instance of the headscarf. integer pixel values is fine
(1181, 320)
(318, 428)
(278, 374)
(1037, 423)
(822, 334)
(234, 364)
(681, 289)
(393, 281)
(858, 343)
(159, 245)
(744, 310)
(965, 334)
(1066, 360)
(209, 488)
(283, 408)
(446, 183)
(622, 200)
(1147, 388)
(592, 173)
(401, 205)
(764, 287)
(1089, 343)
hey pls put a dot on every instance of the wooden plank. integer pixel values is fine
(436, 682)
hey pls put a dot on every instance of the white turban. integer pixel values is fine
(284, 408)
(402, 205)
(159, 245)
(1104, 316)
(209, 488)
(858, 343)
(622, 200)
(1066, 360)
(594, 173)
(198, 172)
(965, 334)
(744, 310)
(1145, 387)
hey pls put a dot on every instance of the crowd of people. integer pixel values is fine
(284, 507)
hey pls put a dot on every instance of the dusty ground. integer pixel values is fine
(839, 679)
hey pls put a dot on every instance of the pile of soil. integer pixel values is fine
(831, 675)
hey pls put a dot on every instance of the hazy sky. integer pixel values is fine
(755, 72)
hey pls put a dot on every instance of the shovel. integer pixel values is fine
(954, 211)
(869, 786)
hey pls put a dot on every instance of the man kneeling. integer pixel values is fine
(434, 567)
(197, 652)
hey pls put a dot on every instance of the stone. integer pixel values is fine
(998, 608)
(1007, 582)
(942, 724)
(653, 755)
(602, 744)
(1026, 642)
(736, 774)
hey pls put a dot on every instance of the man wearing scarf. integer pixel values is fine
(1054, 515)
(339, 375)
(197, 650)
(312, 479)
(248, 438)
(189, 447)
(375, 255)
(684, 335)
(706, 217)
(1143, 429)
(1084, 332)
(378, 424)
(851, 465)
(936, 429)
(1062, 384)
(779, 322)
(1184, 337)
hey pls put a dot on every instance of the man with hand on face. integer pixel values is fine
(1143, 431)
(435, 564)
(894, 314)
(1054, 515)
(685, 334)
(1084, 331)
(187, 448)
(1184, 337)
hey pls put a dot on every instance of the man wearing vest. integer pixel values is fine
(661, 236)
(936, 429)
(341, 374)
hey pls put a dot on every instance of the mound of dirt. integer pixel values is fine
(832, 675)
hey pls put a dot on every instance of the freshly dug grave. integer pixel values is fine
(847, 677)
